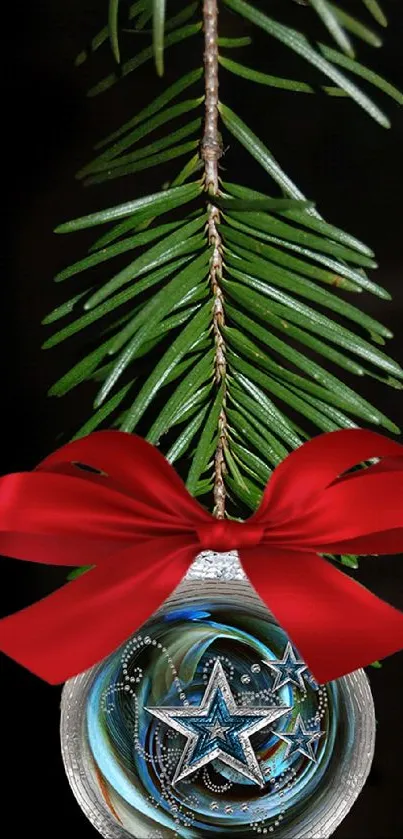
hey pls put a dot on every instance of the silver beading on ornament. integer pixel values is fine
(208, 721)
(210, 565)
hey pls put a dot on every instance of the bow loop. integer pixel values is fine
(223, 535)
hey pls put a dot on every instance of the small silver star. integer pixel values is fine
(288, 669)
(300, 740)
(218, 729)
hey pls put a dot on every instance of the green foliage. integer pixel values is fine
(330, 17)
(113, 28)
(299, 44)
(158, 34)
(284, 274)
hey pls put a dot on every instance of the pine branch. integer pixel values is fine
(233, 299)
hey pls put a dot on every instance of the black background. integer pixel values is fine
(336, 154)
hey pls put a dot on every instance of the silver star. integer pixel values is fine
(203, 728)
(287, 669)
(300, 740)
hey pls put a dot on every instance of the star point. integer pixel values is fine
(218, 729)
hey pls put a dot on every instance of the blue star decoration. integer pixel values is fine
(218, 729)
(288, 670)
(300, 740)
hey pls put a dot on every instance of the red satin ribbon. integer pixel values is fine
(139, 526)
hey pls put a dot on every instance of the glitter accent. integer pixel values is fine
(210, 565)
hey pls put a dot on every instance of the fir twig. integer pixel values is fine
(233, 299)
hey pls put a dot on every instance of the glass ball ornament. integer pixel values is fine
(207, 722)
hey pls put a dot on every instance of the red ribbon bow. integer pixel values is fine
(138, 525)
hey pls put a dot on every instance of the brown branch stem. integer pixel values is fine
(211, 151)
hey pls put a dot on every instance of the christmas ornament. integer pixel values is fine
(214, 716)
(186, 732)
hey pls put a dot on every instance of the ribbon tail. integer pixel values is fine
(336, 624)
(87, 619)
